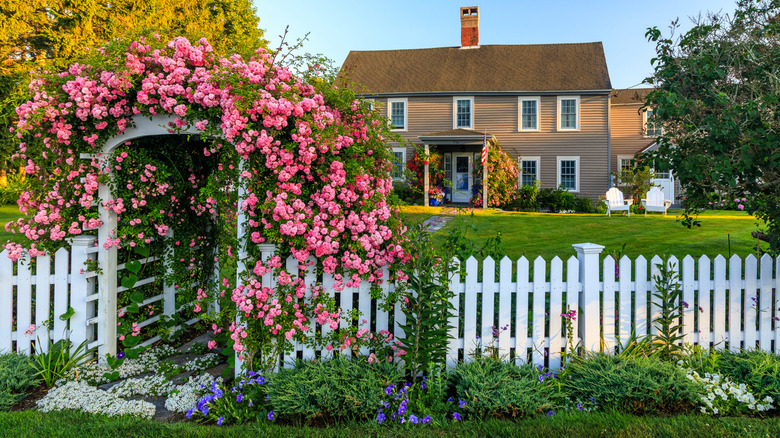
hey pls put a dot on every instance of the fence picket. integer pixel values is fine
(504, 305)
(705, 289)
(655, 310)
(488, 302)
(689, 307)
(775, 306)
(42, 301)
(625, 304)
(382, 318)
(521, 311)
(23, 304)
(766, 306)
(572, 300)
(61, 271)
(674, 265)
(291, 265)
(749, 305)
(641, 326)
(556, 303)
(364, 304)
(539, 343)
(470, 309)
(6, 301)
(608, 304)
(719, 303)
(455, 287)
(735, 303)
(310, 278)
(327, 288)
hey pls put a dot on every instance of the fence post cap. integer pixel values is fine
(588, 248)
(266, 247)
(82, 240)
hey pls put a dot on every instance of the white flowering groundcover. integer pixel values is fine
(79, 391)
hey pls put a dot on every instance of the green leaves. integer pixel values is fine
(67, 315)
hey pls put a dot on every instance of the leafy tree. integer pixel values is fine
(717, 96)
(638, 178)
(52, 34)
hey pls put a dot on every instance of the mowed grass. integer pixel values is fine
(549, 235)
(595, 424)
(8, 213)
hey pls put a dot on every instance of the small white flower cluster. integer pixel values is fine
(203, 362)
(148, 361)
(186, 396)
(78, 395)
(156, 385)
(720, 390)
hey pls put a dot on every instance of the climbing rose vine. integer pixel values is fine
(305, 165)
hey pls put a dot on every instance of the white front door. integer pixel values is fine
(666, 184)
(461, 177)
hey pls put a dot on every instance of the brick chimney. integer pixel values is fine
(469, 27)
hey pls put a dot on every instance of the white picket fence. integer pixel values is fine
(38, 294)
(731, 303)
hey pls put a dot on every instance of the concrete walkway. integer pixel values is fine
(436, 223)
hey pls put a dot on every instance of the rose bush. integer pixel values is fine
(309, 161)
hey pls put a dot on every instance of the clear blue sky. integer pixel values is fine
(338, 26)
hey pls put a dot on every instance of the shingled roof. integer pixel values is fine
(532, 67)
(629, 96)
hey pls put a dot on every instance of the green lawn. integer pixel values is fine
(549, 235)
(596, 424)
(8, 213)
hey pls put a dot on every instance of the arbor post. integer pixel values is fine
(426, 178)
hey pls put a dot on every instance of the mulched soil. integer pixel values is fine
(30, 401)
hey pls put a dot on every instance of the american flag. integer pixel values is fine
(484, 152)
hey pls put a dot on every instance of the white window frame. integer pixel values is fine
(455, 100)
(577, 170)
(405, 101)
(619, 167)
(403, 174)
(520, 101)
(577, 115)
(645, 132)
(371, 104)
(520, 167)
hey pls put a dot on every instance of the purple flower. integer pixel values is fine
(426, 419)
(271, 415)
(205, 410)
(189, 413)
(250, 403)
(220, 420)
(380, 418)
(389, 389)
(450, 400)
(685, 304)
(120, 355)
(462, 404)
(413, 419)
(239, 397)
(579, 406)
(456, 416)
(550, 414)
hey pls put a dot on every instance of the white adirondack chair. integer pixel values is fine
(655, 201)
(615, 202)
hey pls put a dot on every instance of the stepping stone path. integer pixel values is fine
(436, 223)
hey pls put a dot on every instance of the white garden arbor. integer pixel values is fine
(107, 287)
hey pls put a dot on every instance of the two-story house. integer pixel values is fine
(547, 105)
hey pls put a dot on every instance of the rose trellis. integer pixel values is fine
(276, 160)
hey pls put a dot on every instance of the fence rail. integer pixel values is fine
(732, 303)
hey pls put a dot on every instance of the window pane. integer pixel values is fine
(398, 165)
(569, 174)
(529, 175)
(529, 114)
(652, 128)
(397, 110)
(464, 113)
(448, 166)
(569, 114)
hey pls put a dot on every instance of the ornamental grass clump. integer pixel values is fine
(636, 385)
(492, 388)
(328, 391)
